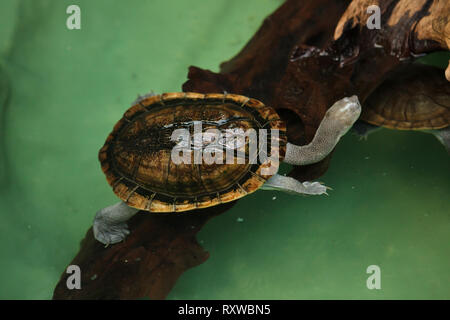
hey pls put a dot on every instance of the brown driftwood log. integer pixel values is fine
(305, 56)
(160, 248)
(301, 70)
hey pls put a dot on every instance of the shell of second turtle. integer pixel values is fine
(417, 97)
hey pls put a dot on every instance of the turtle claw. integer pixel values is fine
(108, 233)
(363, 138)
(315, 188)
(360, 136)
(145, 96)
(328, 188)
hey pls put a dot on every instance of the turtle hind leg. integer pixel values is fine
(145, 96)
(443, 135)
(362, 129)
(110, 223)
(291, 185)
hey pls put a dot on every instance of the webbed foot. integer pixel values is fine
(110, 223)
(291, 185)
(108, 233)
(315, 188)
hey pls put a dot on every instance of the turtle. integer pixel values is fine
(415, 97)
(142, 163)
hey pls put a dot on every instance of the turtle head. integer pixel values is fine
(343, 113)
(337, 121)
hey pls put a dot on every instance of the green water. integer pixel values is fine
(389, 206)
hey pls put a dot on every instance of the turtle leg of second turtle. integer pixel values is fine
(363, 129)
(110, 223)
(443, 135)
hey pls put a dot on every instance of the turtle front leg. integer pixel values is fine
(291, 185)
(336, 122)
(110, 223)
(363, 129)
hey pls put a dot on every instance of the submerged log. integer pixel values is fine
(305, 56)
(159, 249)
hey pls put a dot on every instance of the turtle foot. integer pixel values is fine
(293, 186)
(315, 188)
(110, 223)
(109, 233)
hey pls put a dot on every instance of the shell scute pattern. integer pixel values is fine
(136, 157)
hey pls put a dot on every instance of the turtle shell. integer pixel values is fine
(415, 98)
(136, 157)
